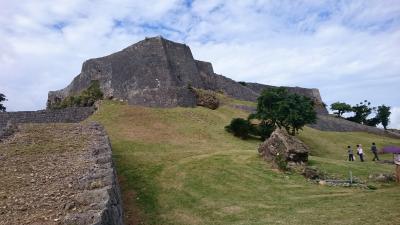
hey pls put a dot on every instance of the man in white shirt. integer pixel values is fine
(360, 152)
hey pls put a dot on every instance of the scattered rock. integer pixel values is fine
(312, 173)
(75, 176)
(382, 177)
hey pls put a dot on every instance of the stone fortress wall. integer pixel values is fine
(100, 192)
(332, 123)
(157, 72)
(67, 115)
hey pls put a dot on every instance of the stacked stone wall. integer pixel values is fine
(331, 123)
(67, 115)
(99, 189)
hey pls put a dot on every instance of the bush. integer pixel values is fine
(239, 127)
(281, 162)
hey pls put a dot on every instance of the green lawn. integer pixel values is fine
(179, 166)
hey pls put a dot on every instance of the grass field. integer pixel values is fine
(179, 166)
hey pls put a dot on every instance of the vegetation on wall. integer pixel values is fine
(86, 98)
(242, 83)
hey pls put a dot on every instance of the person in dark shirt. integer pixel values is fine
(350, 151)
(375, 152)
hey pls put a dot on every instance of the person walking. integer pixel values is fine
(360, 152)
(350, 151)
(374, 151)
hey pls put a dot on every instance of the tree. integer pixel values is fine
(372, 122)
(383, 115)
(361, 112)
(2, 99)
(341, 108)
(279, 108)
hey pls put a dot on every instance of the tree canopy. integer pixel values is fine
(340, 108)
(2, 99)
(279, 108)
(383, 115)
(364, 113)
(361, 112)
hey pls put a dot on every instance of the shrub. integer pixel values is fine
(281, 162)
(239, 127)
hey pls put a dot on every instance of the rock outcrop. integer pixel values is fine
(157, 72)
(281, 146)
(206, 98)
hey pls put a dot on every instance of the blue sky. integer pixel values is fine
(350, 50)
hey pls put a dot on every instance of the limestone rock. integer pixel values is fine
(281, 145)
(206, 98)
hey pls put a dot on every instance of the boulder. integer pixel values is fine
(281, 146)
(206, 98)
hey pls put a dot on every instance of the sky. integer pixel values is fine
(349, 50)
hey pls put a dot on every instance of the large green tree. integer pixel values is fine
(361, 112)
(277, 107)
(383, 115)
(2, 99)
(340, 108)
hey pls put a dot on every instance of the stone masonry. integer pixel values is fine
(332, 123)
(67, 115)
(157, 72)
(59, 173)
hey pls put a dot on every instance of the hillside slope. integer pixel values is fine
(179, 166)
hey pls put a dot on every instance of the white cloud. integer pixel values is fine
(395, 118)
(347, 49)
